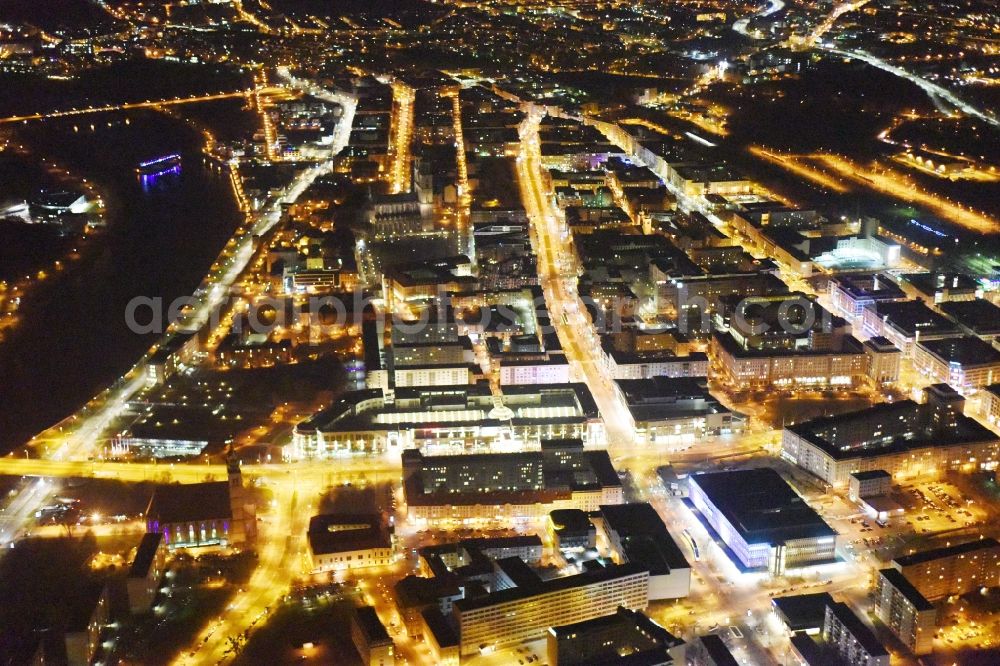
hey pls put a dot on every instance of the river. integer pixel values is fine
(73, 339)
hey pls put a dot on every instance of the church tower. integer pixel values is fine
(243, 527)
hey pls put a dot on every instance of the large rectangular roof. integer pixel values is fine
(644, 537)
(965, 430)
(761, 505)
(947, 551)
(189, 503)
(337, 533)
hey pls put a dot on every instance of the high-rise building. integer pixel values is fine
(902, 608)
(853, 640)
(525, 612)
(957, 569)
(903, 438)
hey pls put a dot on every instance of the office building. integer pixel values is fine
(507, 486)
(448, 418)
(636, 533)
(338, 542)
(901, 607)
(665, 410)
(762, 521)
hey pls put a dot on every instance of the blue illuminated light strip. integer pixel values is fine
(926, 228)
(162, 172)
(165, 158)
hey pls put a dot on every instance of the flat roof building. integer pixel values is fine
(821, 365)
(447, 417)
(146, 571)
(370, 638)
(471, 558)
(524, 613)
(989, 403)
(802, 613)
(571, 529)
(902, 608)
(709, 650)
(905, 323)
(883, 361)
(956, 569)
(903, 438)
(343, 541)
(762, 521)
(636, 533)
(489, 487)
(625, 634)
(665, 410)
(935, 288)
(967, 363)
(852, 639)
(871, 483)
(976, 317)
(851, 293)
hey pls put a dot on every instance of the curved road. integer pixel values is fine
(935, 91)
(772, 7)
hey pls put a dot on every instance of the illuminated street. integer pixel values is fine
(500, 333)
(556, 270)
